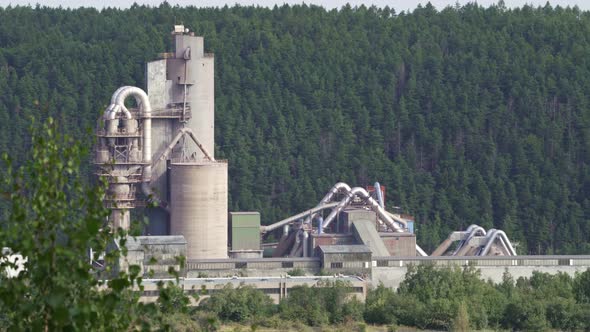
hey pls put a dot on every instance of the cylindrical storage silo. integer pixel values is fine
(198, 207)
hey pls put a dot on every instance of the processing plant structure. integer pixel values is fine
(157, 154)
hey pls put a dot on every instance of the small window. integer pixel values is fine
(287, 265)
(336, 265)
(241, 265)
(382, 263)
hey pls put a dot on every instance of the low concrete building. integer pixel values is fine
(347, 259)
(277, 288)
(155, 254)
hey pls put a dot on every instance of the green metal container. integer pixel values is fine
(245, 230)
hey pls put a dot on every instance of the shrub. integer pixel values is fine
(241, 304)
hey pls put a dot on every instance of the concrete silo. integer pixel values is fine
(198, 207)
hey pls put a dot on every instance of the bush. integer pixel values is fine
(378, 306)
(53, 217)
(523, 313)
(305, 305)
(241, 304)
(208, 321)
(328, 303)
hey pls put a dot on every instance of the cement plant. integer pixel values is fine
(159, 156)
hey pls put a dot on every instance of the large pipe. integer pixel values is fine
(143, 101)
(383, 215)
(118, 109)
(268, 228)
(420, 252)
(472, 231)
(492, 235)
(502, 238)
(377, 187)
(338, 187)
(397, 219)
(364, 195)
(345, 188)
(504, 246)
(110, 108)
(111, 112)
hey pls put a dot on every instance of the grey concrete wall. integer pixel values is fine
(399, 244)
(201, 98)
(393, 276)
(250, 272)
(154, 254)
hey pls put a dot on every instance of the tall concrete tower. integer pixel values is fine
(180, 86)
(173, 129)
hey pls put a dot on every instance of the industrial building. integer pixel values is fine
(277, 288)
(158, 155)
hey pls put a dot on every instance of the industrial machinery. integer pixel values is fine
(475, 241)
(376, 232)
(164, 145)
(156, 150)
(352, 202)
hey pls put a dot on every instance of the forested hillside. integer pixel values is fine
(466, 115)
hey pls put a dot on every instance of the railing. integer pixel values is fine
(554, 260)
(254, 263)
(119, 133)
(391, 262)
(115, 178)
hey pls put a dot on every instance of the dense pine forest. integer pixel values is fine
(466, 115)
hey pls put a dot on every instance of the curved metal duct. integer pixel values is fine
(397, 219)
(143, 101)
(383, 215)
(364, 195)
(117, 109)
(340, 186)
(343, 187)
(471, 231)
(112, 105)
(492, 235)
